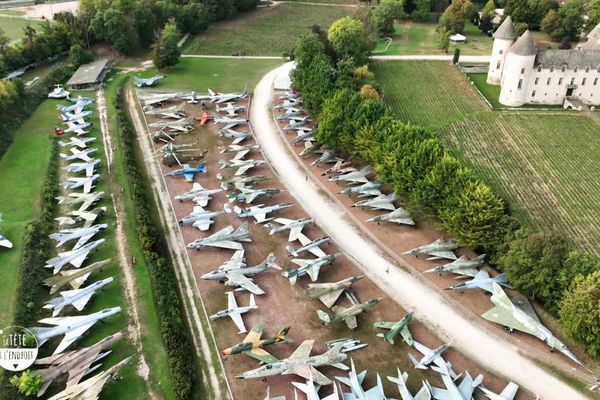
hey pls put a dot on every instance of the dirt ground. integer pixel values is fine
(284, 304)
(47, 11)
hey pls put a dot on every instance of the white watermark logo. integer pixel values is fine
(18, 348)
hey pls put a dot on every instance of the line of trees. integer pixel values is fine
(173, 328)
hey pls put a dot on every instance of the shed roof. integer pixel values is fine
(88, 73)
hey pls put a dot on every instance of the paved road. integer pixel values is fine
(467, 335)
(463, 59)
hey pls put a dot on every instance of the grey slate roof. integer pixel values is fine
(593, 40)
(524, 45)
(579, 58)
(88, 73)
(506, 30)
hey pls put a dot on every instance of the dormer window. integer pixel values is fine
(587, 69)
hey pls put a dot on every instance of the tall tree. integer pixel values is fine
(422, 10)
(571, 13)
(386, 13)
(165, 52)
(453, 19)
(346, 36)
(593, 13)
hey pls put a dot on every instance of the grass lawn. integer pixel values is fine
(490, 92)
(13, 27)
(264, 31)
(327, 1)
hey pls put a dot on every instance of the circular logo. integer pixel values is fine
(18, 348)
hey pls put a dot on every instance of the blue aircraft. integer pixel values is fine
(188, 172)
(139, 82)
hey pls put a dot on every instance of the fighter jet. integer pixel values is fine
(83, 155)
(219, 98)
(509, 392)
(240, 181)
(366, 189)
(482, 280)
(150, 100)
(241, 165)
(238, 275)
(74, 277)
(291, 113)
(288, 103)
(304, 136)
(78, 128)
(240, 151)
(290, 95)
(354, 176)
(381, 202)
(229, 122)
(302, 364)
(437, 250)
(308, 245)
(230, 109)
(512, 317)
(259, 212)
(80, 104)
(71, 327)
(78, 99)
(88, 167)
(235, 312)
(227, 238)
(174, 112)
(395, 328)
(354, 382)
(348, 315)
(87, 183)
(73, 257)
(340, 167)
(76, 363)
(235, 135)
(86, 200)
(140, 82)
(181, 125)
(429, 355)
(77, 298)
(253, 346)
(77, 216)
(188, 172)
(4, 242)
(72, 117)
(464, 391)
(248, 195)
(200, 218)
(309, 267)
(296, 124)
(58, 93)
(76, 142)
(328, 293)
(311, 389)
(90, 388)
(82, 234)
(198, 194)
(462, 266)
(311, 148)
(398, 216)
(295, 227)
(422, 394)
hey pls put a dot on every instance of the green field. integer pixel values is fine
(264, 31)
(13, 27)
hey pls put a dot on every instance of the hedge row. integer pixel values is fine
(168, 304)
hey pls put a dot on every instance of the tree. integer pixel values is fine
(336, 118)
(453, 19)
(552, 25)
(488, 9)
(531, 12)
(195, 18)
(521, 27)
(580, 313)
(386, 13)
(439, 5)
(165, 52)
(422, 9)
(368, 92)
(346, 36)
(445, 40)
(571, 14)
(456, 56)
(78, 56)
(27, 384)
(593, 13)
(220, 9)
(245, 5)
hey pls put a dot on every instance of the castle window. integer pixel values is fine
(551, 69)
(564, 68)
(501, 51)
(522, 70)
(560, 80)
(595, 81)
(536, 81)
(587, 69)
(520, 85)
(575, 69)
(572, 81)
(498, 65)
(548, 81)
(540, 68)
(583, 81)
(533, 94)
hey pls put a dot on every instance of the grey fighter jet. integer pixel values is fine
(227, 238)
(78, 216)
(348, 315)
(354, 382)
(423, 393)
(464, 391)
(73, 257)
(395, 328)
(85, 199)
(509, 392)
(354, 176)
(76, 142)
(290, 95)
(141, 82)
(86, 183)
(83, 155)
(304, 135)
(259, 212)
(291, 113)
(366, 189)
(79, 106)
(462, 266)
(78, 298)
(174, 112)
(482, 280)
(71, 327)
(309, 267)
(231, 109)
(88, 167)
(198, 194)
(302, 363)
(294, 226)
(74, 277)
(240, 181)
(287, 104)
(235, 312)
(77, 127)
(237, 137)
(429, 355)
(248, 195)
(219, 98)
(398, 216)
(241, 165)
(308, 245)
(296, 124)
(240, 151)
(437, 250)
(381, 202)
(328, 156)
(229, 122)
(340, 167)
(180, 125)
(200, 218)
(328, 293)
(311, 389)
(81, 234)
(311, 148)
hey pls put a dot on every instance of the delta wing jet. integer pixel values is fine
(230, 109)
(259, 212)
(328, 156)
(81, 234)
(227, 238)
(309, 267)
(423, 394)
(354, 382)
(308, 245)
(462, 266)
(328, 293)
(83, 155)
(235, 135)
(437, 250)
(304, 135)
(482, 280)
(381, 202)
(354, 176)
(86, 200)
(74, 277)
(88, 167)
(77, 298)
(509, 392)
(86, 183)
(235, 312)
(198, 194)
(141, 82)
(429, 356)
(348, 315)
(200, 218)
(398, 216)
(366, 189)
(76, 142)
(295, 227)
(73, 257)
(395, 328)
(253, 346)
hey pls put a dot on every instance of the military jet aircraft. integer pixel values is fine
(464, 391)
(292, 113)
(302, 364)
(248, 195)
(74, 277)
(80, 104)
(71, 327)
(198, 194)
(381, 202)
(200, 218)
(4, 242)
(308, 245)
(180, 125)
(77, 298)
(398, 216)
(239, 181)
(230, 109)
(82, 234)
(289, 95)
(311, 389)
(354, 176)
(512, 317)
(236, 273)
(259, 212)
(227, 238)
(174, 112)
(509, 392)
(141, 82)
(429, 355)
(235, 135)
(348, 315)
(83, 155)
(229, 122)
(288, 103)
(328, 293)
(422, 394)
(73, 257)
(354, 382)
(366, 189)
(340, 167)
(482, 280)
(395, 328)
(219, 98)
(86, 183)
(240, 151)
(76, 363)
(295, 227)
(309, 267)
(77, 128)
(150, 100)
(86, 200)
(437, 250)
(77, 216)
(79, 98)
(304, 136)
(327, 157)
(241, 165)
(188, 172)
(88, 167)
(462, 266)
(90, 388)
(58, 93)
(235, 312)
(296, 123)
(311, 148)
(76, 142)
(72, 117)
(253, 346)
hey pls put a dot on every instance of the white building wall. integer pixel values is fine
(554, 92)
(516, 80)
(497, 60)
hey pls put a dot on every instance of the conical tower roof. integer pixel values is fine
(506, 30)
(524, 45)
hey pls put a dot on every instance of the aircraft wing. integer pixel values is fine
(239, 322)
(261, 355)
(89, 170)
(189, 177)
(303, 351)
(72, 336)
(246, 283)
(405, 332)
(260, 217)
(509, 392)
(442, 254)
(76, 373)
(241, 154)
(294, 232)
(423, 394)
(86, 204)
(422, 349)
(466, 387)
(254, 334)
(203, 224)
(317, 251)
(83, 240)
(303, 239)
(78, 261)
(503, 316)
(87, 186)
(309, 372)
(313, 271)
(236, 261)
(80, 303)
(329, 299)
(384, 325)
(226, 244)
(231, 303)
(351, 322)
(469, 272)
(441, 394)
(242, 170)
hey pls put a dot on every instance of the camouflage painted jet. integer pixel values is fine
(230, 109)
(462, 266)
(381, 202)
(422, 394)
(74, 277)
(181, 125)
(76, 142)
(235, 135)
(87, 183)
(294, 226)
(509, 392)
(226, 238)
(141, 82)
(86, 200)
(241, 165)
(248, 195)
(188, 172)
(77, 298)
(253, 346)
(348, 315)
(398, 216)
(464, 391)
(260, 211)
(437, 250)
(302, 363)
(482, 280)
(309, 267)
(74, 257)
(88, 167)
(83, 155)
(240, 181)
(235, 312)
(395, 328)
(174, 112)
(354, 176)
(81, 234)
(328, 293)
(354, 382)
(366, 189)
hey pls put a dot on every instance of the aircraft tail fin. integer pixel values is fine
(477, 381)
(270, 262)
(324, 317)
(252, 302)
(290, 250)
(414, 361)
(282, 335)
(271, 228)
(291, 274)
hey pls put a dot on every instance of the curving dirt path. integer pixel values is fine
(430, 307)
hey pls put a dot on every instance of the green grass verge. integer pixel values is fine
(13, 27)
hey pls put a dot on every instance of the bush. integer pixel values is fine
(78, 56)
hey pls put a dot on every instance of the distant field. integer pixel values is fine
(265, 31)
(13, 27)
(325, 1)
